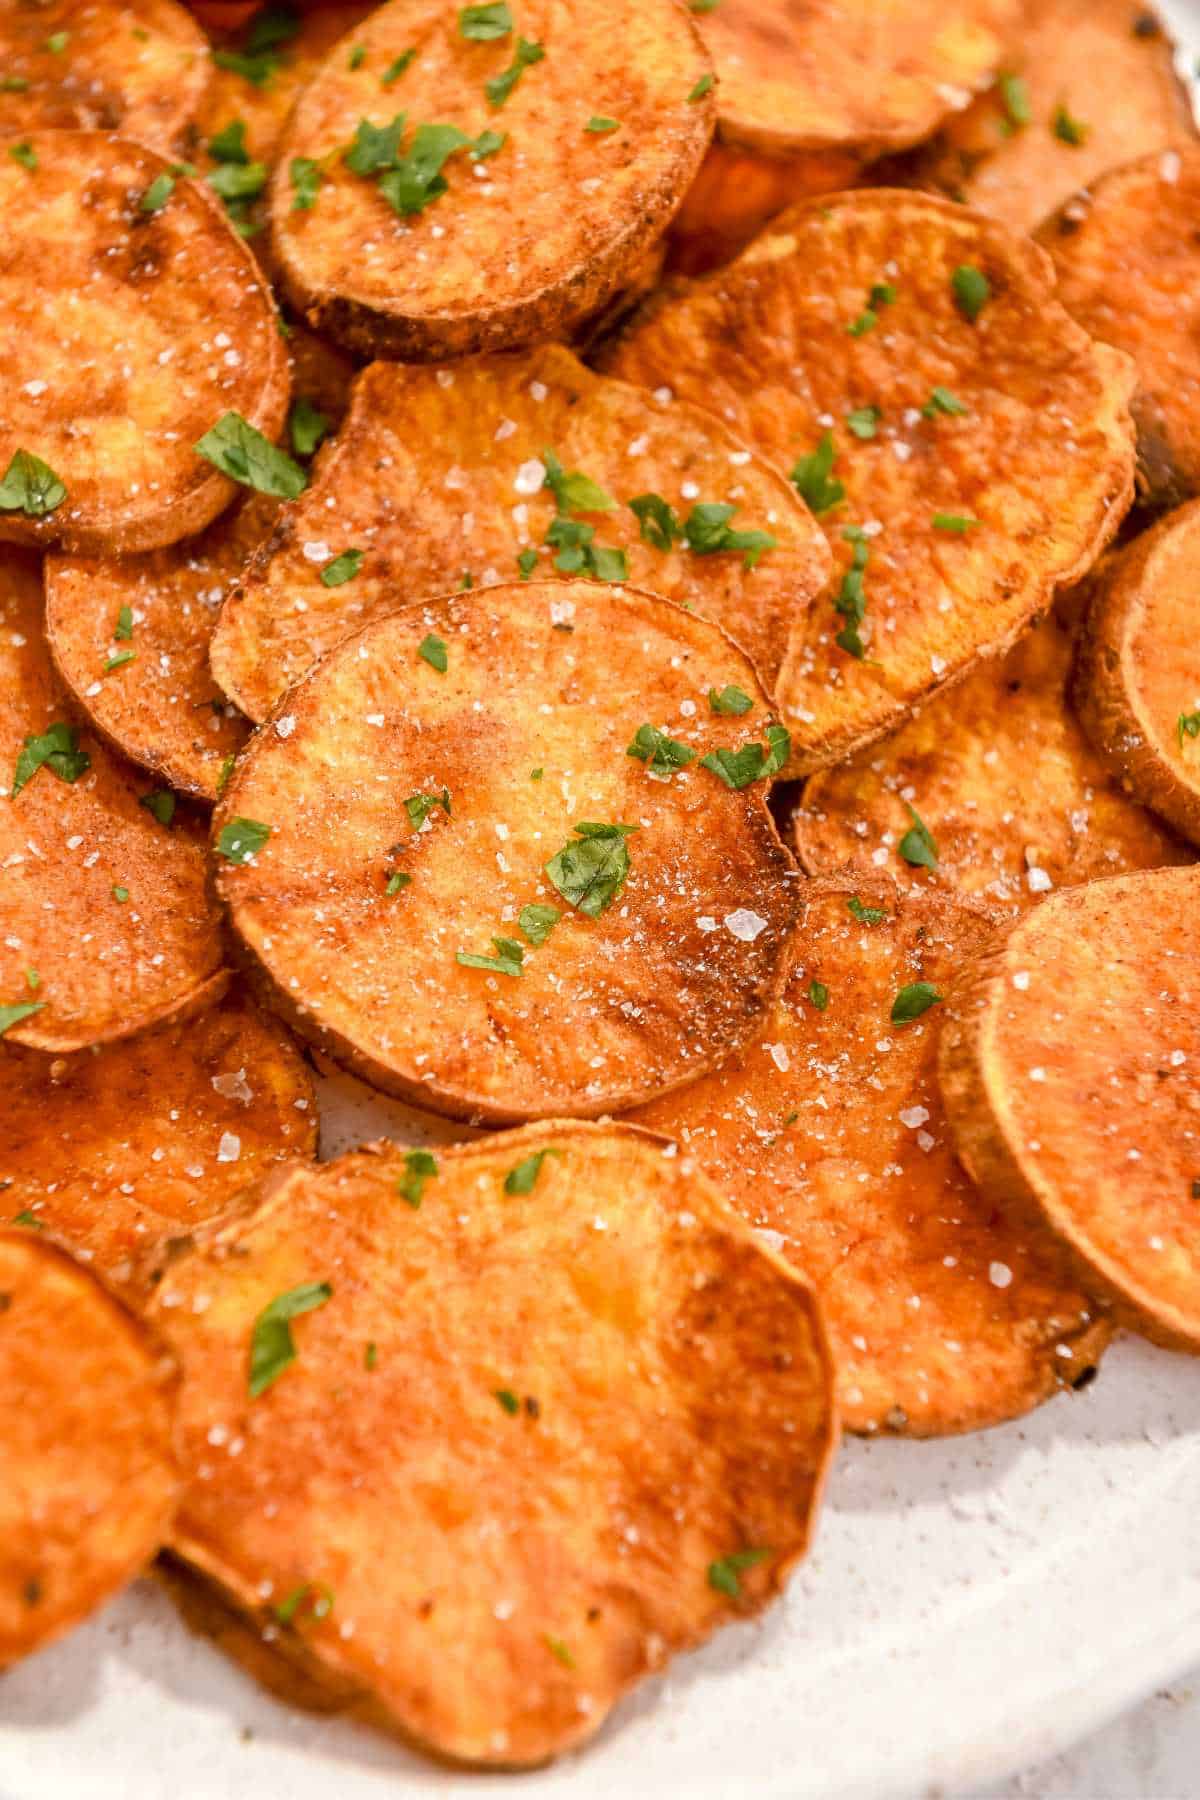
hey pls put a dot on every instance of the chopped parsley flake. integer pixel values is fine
(306, 177)
(484, 24)
(241, 839)
(419, 806)
(941, 400)
(487, 144)
(1014, 95)
(57, 42)
(25, 154)
(723, 1574)
(707, 532)
(306, 426)
(375, 147)
(508, 1400)
(730, 702)
(738, 768)
(508, 959)
(224, 772)
(658, 523)
(590, 874)
(660, 753)
(57, 750)
(917, 845)
(972, 290)
(238, 181)
(357, 57)
(560, 1651)
(120, 895)
(317, 1600)
(119, 660)
(432, 649)
(573, 490)
(527, 563)
(599, 122)
(229, 144)
(12, 1015)
(864, 421)
(272, 1347)
(866, 915)
(256, 62)
(701, 88)
(419, 1167)
(395, 70)
(882, 294)
(912, 1001)
(812, 478)
(396, 880)
(370, 1356)
(851, 600)
(240, 451)
(25, 1217)
(522, 1178)
(536, 922)
(343, 568)
(1069, 130)
(1187, 725)
(160, 804)
(157, 194)
(818, 995)
(123, 629)
(417, 180)
(959, 522)
(30, 486)
(501, 86)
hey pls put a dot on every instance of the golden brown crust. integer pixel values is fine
(160, 323)
(551, 676)
(151, 1138)
(1042, 458)
(1135, 681)
(1068, 1068)
(1108, 65)
(90, 1479)
(1128, 267)
(434, 477)
(140, 67)
(963, 765)
(498, 1579)
(533, 239)
(866, 75)
(97, 966)
(945, 1313)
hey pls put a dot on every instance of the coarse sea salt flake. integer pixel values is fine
(744, 924)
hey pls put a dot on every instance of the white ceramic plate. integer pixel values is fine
(970, 1608)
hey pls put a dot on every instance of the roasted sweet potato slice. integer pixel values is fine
(946, 1312)
(443, 478)
(581, 1420)
(89, 1480)
(107, 925)
(950, 801)
(153, 616)
(140, 67)
(502, 178)
(1092, 84)
(1128, 265)
(1136, 682)
(1068, 1066)
(136, 319)
(738, 191)
(967, 445)
(123, 1152)
(499, 853)
(866, 76)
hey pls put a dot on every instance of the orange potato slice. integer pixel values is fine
(439, 479)
(523, 220)
(864, 75)
(963, 767)
(1068, 1066)
(107, 924)
(89, 1478)
(1093, 84)
(1136, 683)
(738, 191)
(122, 1153)
(500, 776)
(946, 1312)
(983, 442)
(137, 319)
(140, 67)
(514, 1511)
(1129, 270)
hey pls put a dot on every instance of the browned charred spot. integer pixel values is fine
(533, 1407)
(1085, 1378)
(1146, 26)
(32, 1592)
(5, 1302)
(424, 1609)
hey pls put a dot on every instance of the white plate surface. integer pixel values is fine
(970, 1608)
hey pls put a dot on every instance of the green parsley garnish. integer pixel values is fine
(738, 768)
(730, 702)
(818, 995)
(1014, 94)
(224, 772)
(13, 84)
(812, 475)
(229, 144)
(432, 649)
(30, 486)
(57, 750)
(244, 454)
(357, 57)
(501, 86)
(375, 147)
(25, 154)
(487, 144)
(123, 629)
(864, 421)
(160, 804)
(12, 1015)
(396, 880)
(972, 290)
(57, 42)
(941, 400)
(522, 1177)
(917, 845)
(882, 294)
(560, 1651)
(912, 1001)
(484, 24)
(1187, 725)
(419, 1167)
(1069, 130)
(25, 1217)
(527, 563)
(370, 1356)
(272, 1347)
(706, 531)
(120, 895)
(590, 874)
(318, 1600)
(157, 194)
(415, 181)
(119, 660)
(508, 959)
(241, 839)
(343, 568)
(419, 806)
(259, 57)
(851, 600)
(959, 522)
(723, 1574)
(599, 122)
(866, 915)
(306, 177)
(658, 523)
(536, 774)
(660, 753)
(536, 922)
(573, 490)
(701, 88)
(395, 70)
(306, 426)
(508, 1400)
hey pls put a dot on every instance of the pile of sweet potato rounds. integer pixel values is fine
(642, 605)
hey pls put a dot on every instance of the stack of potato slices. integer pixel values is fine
(723, 747)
